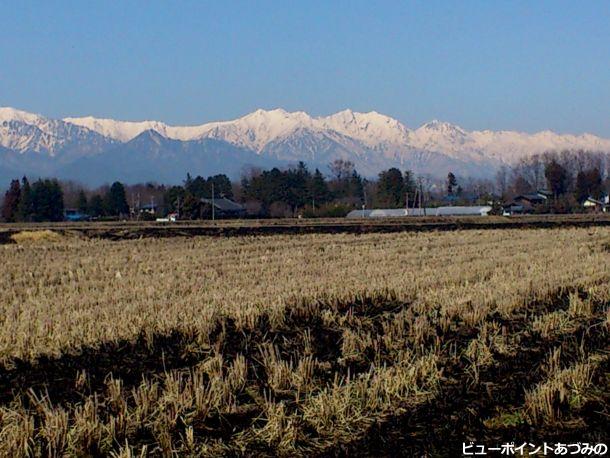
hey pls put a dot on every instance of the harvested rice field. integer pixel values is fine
(377, 344)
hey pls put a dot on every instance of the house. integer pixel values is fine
(225, 208)
(148, 208)
(529, 201)
(526, 203)
(593, 205)
(429, 211)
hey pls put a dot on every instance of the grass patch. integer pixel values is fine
(29, 237)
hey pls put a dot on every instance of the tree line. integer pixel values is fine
(185, 200)
(40, 201)
(287, 192)
(43, 200)
(571, 177)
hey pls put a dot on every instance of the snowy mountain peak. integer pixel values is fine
(371, 117)
(257, 129)
(13, 114)
(275, 116)
(442, 127)
(345, 115)
(371, 128)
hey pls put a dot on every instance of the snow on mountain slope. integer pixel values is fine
(371, 140)
(253, 130)
(502, 146)
(257, 129)
(510, 146)
(20, 130)
(12, 114)
(380, 133)
(124, 131)
(27, 132)
(371, 128)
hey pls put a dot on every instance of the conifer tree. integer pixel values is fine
(10, 206)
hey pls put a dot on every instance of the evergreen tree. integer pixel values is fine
(81, 202)
(391, 188)
(26, 205)
(173, 199)
(188, 182)
(10, 206)
(222, 186)
(318, 191)
(198, 187)
(96, 206)
(47, 201)
(451, 183)
(296, 184)
(191, 207)
(409, 183)
(116, 200)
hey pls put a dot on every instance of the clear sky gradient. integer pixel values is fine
(513, 65)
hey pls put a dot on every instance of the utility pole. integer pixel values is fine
(213, 212)
(414, 203)
(420, 191)
(364, 201)
(421, 195)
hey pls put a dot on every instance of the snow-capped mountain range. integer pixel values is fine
(95, 150)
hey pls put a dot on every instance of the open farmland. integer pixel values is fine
(127, 230)
(313, 344)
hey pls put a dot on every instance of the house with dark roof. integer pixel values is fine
(526, 203)
(150, 208)
(225, 208)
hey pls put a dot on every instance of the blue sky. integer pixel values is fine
(481, 64)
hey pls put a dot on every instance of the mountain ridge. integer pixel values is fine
(373, 141)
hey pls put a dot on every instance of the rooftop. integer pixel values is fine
(224, 204)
